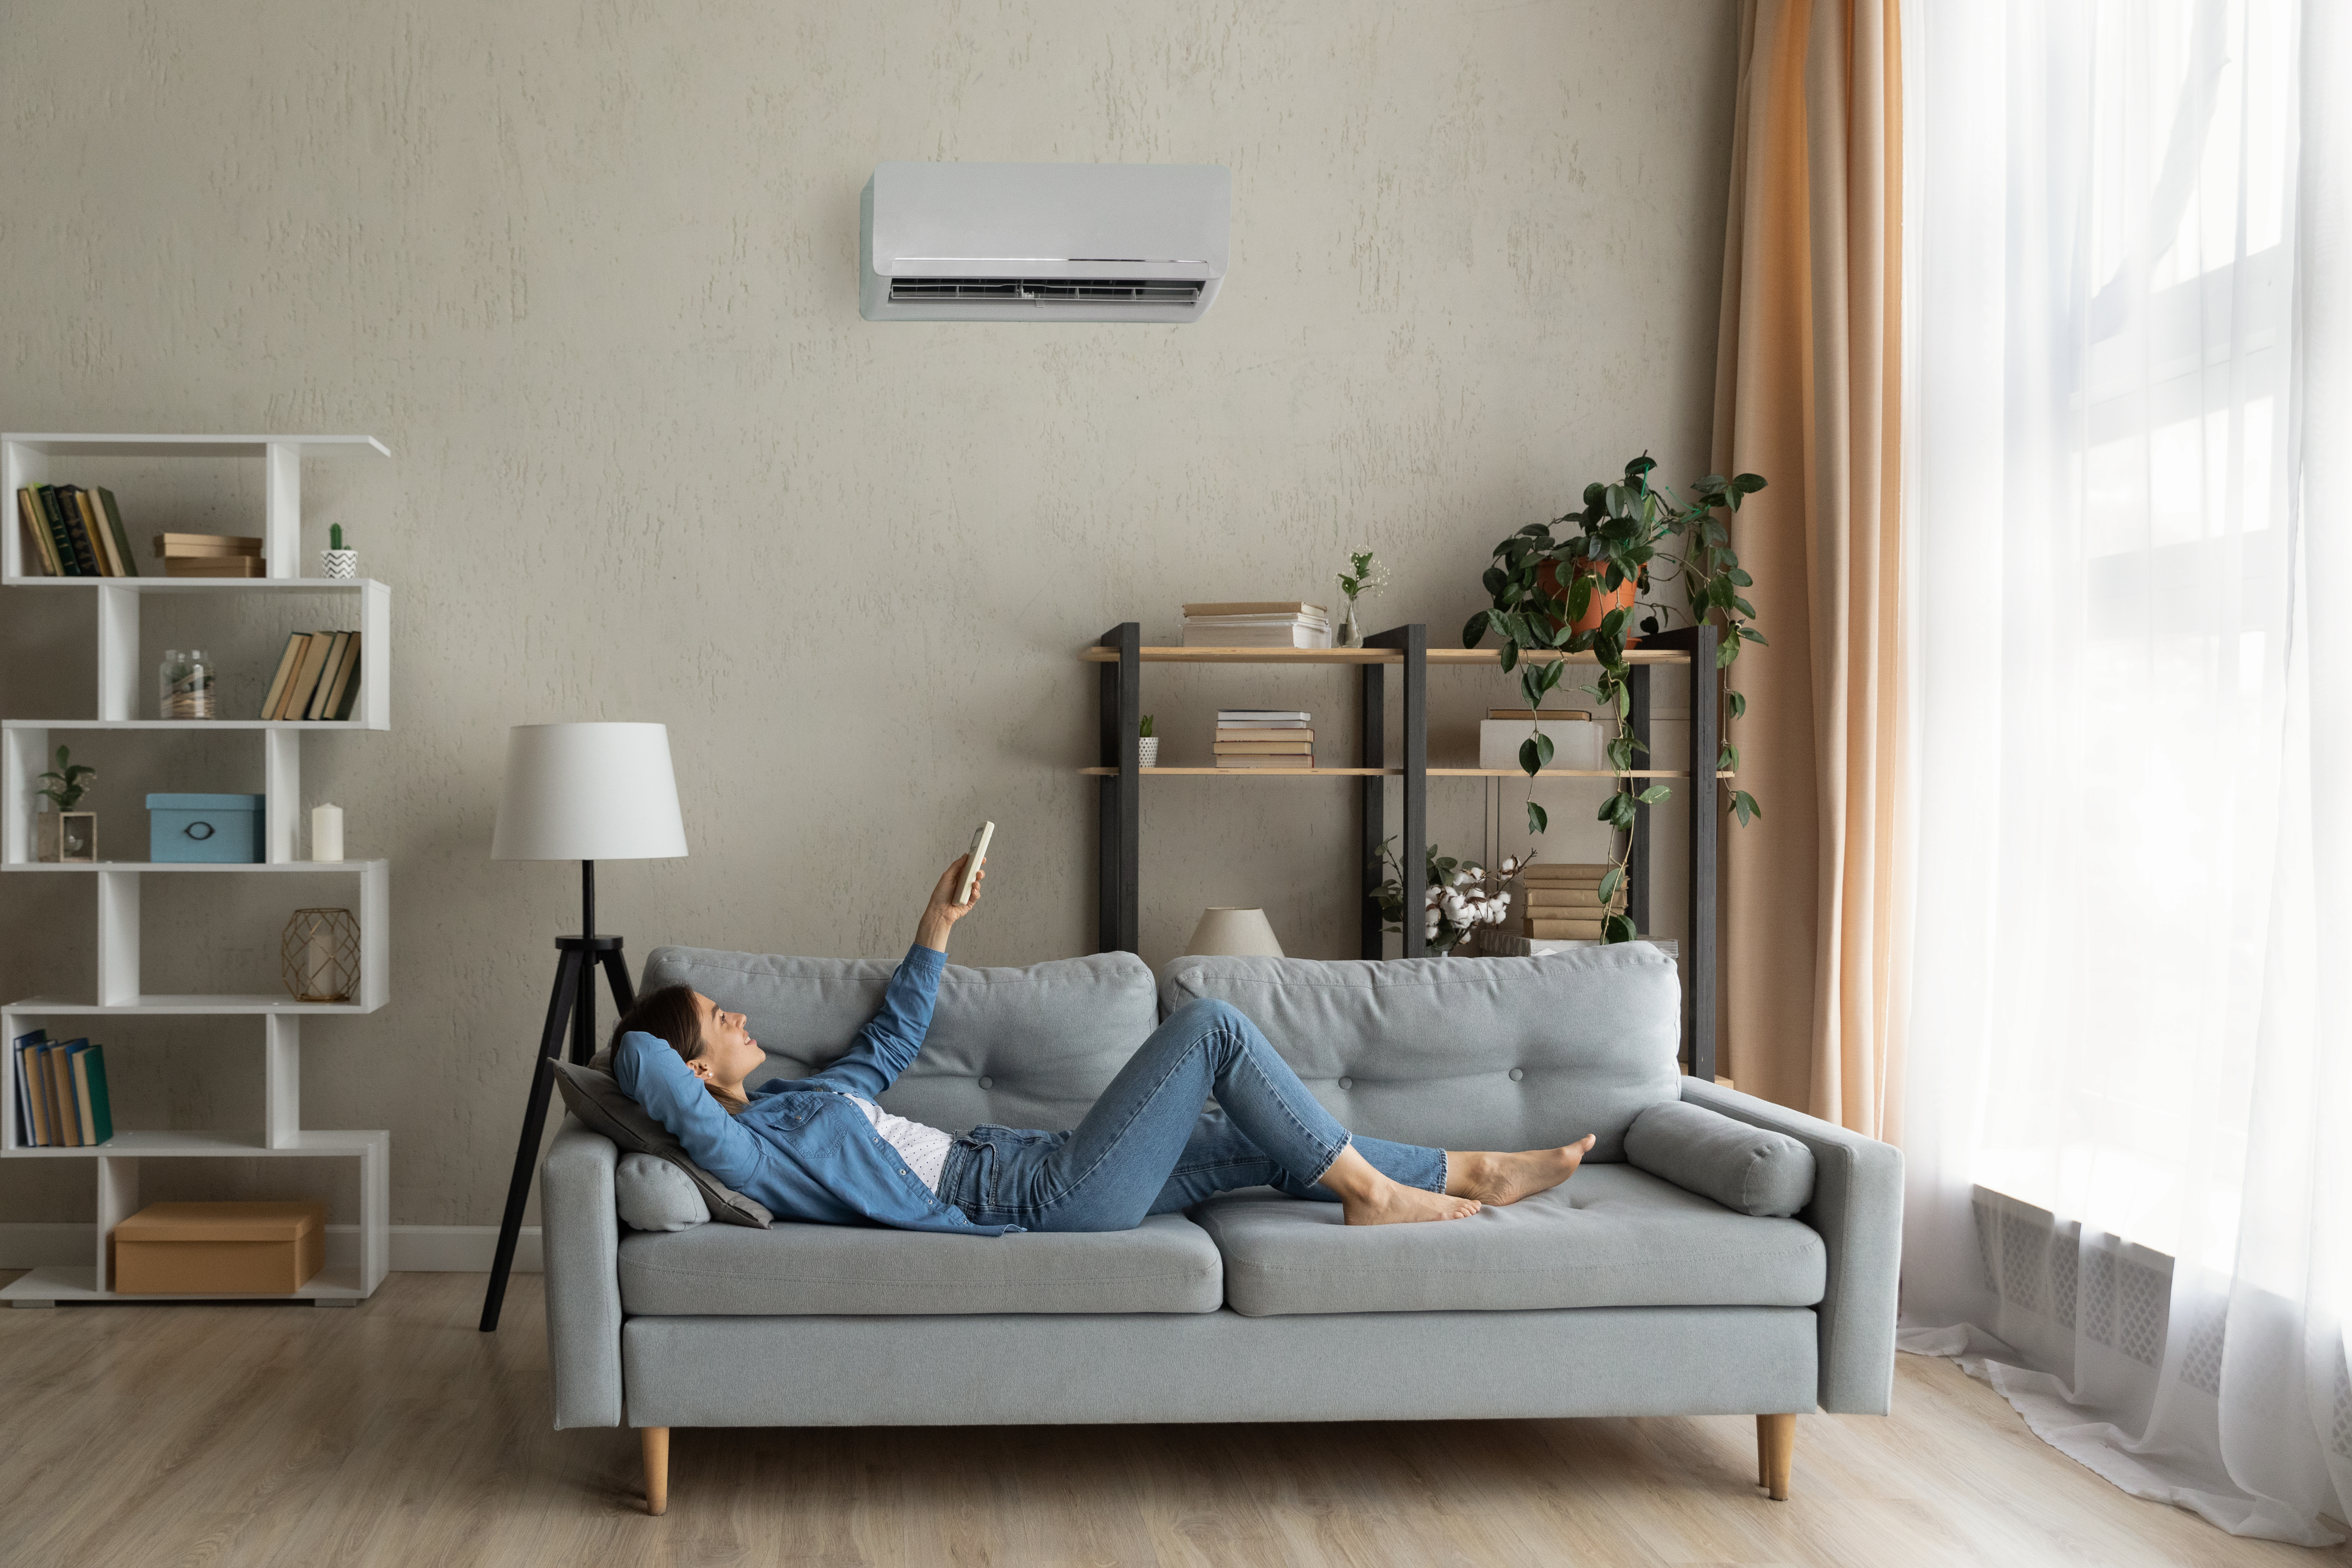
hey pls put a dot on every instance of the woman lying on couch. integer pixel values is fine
(820, 1149)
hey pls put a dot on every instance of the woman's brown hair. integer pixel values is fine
(670, 1016)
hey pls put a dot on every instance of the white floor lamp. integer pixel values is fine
(584, 793)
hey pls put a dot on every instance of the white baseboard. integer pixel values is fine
(415, 1248)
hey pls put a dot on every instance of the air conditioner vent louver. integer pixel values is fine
(1049, 290)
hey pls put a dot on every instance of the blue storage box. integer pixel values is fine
(201, 828)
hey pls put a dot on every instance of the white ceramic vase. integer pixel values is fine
(1147, 751)
(338, 562)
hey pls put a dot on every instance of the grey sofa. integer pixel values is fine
(1621, 1293)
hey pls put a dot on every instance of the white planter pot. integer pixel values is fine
(1147, 751)
(338, 562)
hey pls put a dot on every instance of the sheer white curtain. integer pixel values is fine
(2130, 1090)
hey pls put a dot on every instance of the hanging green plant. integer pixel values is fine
(1576, 591)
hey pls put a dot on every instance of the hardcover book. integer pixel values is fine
(113, 515)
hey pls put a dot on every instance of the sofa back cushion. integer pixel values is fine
(1019, 1047)
(1465, 1053)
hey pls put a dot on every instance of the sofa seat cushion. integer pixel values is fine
(1165, 1265)
(1612, 1236)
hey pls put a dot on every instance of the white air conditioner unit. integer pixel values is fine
(1043, 242)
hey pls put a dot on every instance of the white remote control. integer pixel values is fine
(972, 861)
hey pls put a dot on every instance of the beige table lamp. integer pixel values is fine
(1237, 933)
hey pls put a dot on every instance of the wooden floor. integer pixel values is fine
(394, 1434)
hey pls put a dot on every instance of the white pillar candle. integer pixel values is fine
(326, 833)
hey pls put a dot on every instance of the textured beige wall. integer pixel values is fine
(590, 271)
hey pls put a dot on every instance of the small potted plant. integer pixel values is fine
(65, 834)
(1147, 744)
(1365, 575)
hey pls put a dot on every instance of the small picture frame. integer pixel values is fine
(64, 835)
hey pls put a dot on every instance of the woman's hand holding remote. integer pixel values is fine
(939, 915)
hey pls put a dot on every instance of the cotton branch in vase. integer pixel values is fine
(1574, 593)
(1457, 896)
(1365, 575)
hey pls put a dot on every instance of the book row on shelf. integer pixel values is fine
(75, 530)
(61, 1101)
(318, 676)
(1257, 624)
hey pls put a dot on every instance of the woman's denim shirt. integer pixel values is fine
(802, 1149)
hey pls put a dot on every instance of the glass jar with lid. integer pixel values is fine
(184, 685)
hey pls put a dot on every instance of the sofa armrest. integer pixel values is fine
(580, 1238)
(1857, 1208)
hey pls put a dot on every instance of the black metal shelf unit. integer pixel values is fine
(1119, 817)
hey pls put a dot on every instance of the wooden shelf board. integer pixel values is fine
(335, 1282)
(202, 584)
(97, 445)
(196, 1145)
(1398, 772)
(1445, 656)
(189, 1006)
(1565, 774)
(1260, 772)
(362, 867)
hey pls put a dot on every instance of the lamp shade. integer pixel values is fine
(1236, 933)
(588, 792)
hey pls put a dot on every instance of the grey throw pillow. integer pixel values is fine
(599, 1104)
(654, 1195)
(1703, 1152)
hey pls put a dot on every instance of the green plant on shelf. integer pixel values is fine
(71, 780)
(1545, 585)
(1143, 729)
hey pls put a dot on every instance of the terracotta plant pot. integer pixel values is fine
(1600, 604)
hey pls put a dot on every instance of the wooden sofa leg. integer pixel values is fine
(1775, 1451)
(655, 1442)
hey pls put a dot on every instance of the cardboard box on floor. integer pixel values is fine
(217, 1249)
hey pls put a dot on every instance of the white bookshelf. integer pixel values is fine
(365, 885)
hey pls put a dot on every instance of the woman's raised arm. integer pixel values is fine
(887, 1045)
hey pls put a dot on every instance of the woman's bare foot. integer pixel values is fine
(1398, 1205)
(1507, 1178)
(1368, 1197)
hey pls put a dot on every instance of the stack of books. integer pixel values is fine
(1269, 624)
(70, 532)
(1562, 903)
(318, 677)
(61, 1101)
(209, 555)
(1263, 738)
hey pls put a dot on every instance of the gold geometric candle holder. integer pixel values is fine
(319, 957)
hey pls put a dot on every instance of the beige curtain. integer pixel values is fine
(1808, 393)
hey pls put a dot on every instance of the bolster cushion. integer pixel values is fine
(598, 1100)
(1750, 1169)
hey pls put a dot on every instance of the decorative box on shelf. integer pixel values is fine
(219, 1249)
(206, 829)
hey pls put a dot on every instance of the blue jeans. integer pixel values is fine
(1147, 1147)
